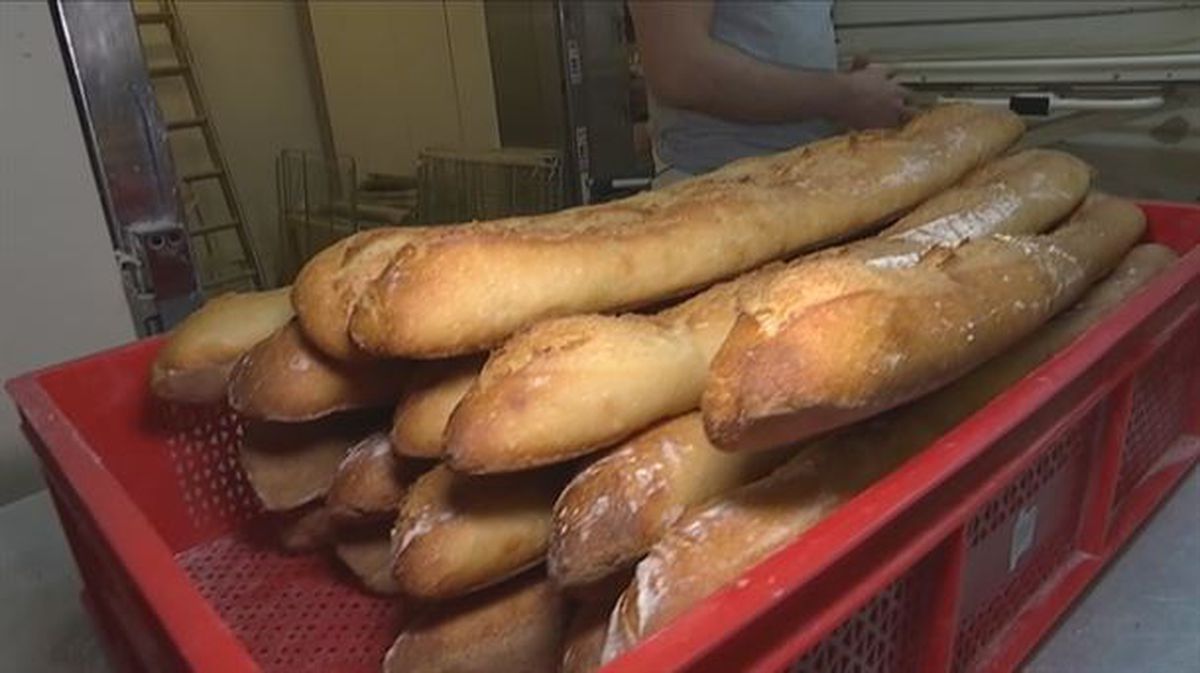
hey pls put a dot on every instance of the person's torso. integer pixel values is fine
(791, 33)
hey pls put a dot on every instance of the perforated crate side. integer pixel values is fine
(202, 442)
(1159, 410)
(882, 637)
(133, 637)
(1022, 537)
(294, 613)
(177, 463)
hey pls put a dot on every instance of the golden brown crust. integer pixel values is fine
(419, 426)
(845, 335)
(1023, 193)
(569, 385)
(584, 637)
(369, 482)
(306, 528)
(712, 545)
(471, 286)
(512, 420)
(1139, 266)
(369, 558)
(611, 513)
(291, 464)
(456, 534)
(194, 363)
(331, 282)
(734, 532)
(284, 378)
(515, 627)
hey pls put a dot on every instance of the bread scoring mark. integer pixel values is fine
(1059, 266)
(911, 169)
(974, 221)
(421, 524)
(900, 261)
(615, 639)
(648, 580)
(598, 508)
(374, 446)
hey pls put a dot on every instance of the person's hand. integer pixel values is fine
(870, 99)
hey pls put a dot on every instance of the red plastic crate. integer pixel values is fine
(918, 573)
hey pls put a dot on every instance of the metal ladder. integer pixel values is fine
(245, 269)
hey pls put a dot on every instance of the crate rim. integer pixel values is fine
(785, 570)
(204, 640)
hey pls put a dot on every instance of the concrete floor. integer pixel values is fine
(1143, 615)
(43, 626)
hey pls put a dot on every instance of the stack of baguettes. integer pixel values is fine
(549, 455)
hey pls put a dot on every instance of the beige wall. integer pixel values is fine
(60, 292)
(250, 62)
(402, 76)
(523, 41)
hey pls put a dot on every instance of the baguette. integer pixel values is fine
(583, 641)
(289, 465)
(194, 363)
(419, 426)
(306, 528)
(466, 288)
(571, 385)
(611, 513)
(456, 534)
(369, 558)
(1017, 194)
(711, 546)
(330, 283)
(368, 483)
(284, 378)
(848, 334)
(515, 627)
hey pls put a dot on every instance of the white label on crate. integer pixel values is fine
(1022, 536)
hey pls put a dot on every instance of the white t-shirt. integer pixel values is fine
(790, 33)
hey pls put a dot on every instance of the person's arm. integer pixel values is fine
(686, 68)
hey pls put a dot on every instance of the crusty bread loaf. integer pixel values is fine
(583, 641)
(515, 627)
(1140, 265)
(194, 363)
(284, 378)
(714, 544)
(419, 427)
(369, 558)
(610, 514)
(847, 334)
(330, 283)
(466, 288)
(1025, 191)
(509, 420)
(456, 534)
(290, 464)
(305, 528)
(567, 386)
(369, 482)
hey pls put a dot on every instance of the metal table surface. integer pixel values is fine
(1142, 615)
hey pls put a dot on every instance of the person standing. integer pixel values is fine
(735, 78)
